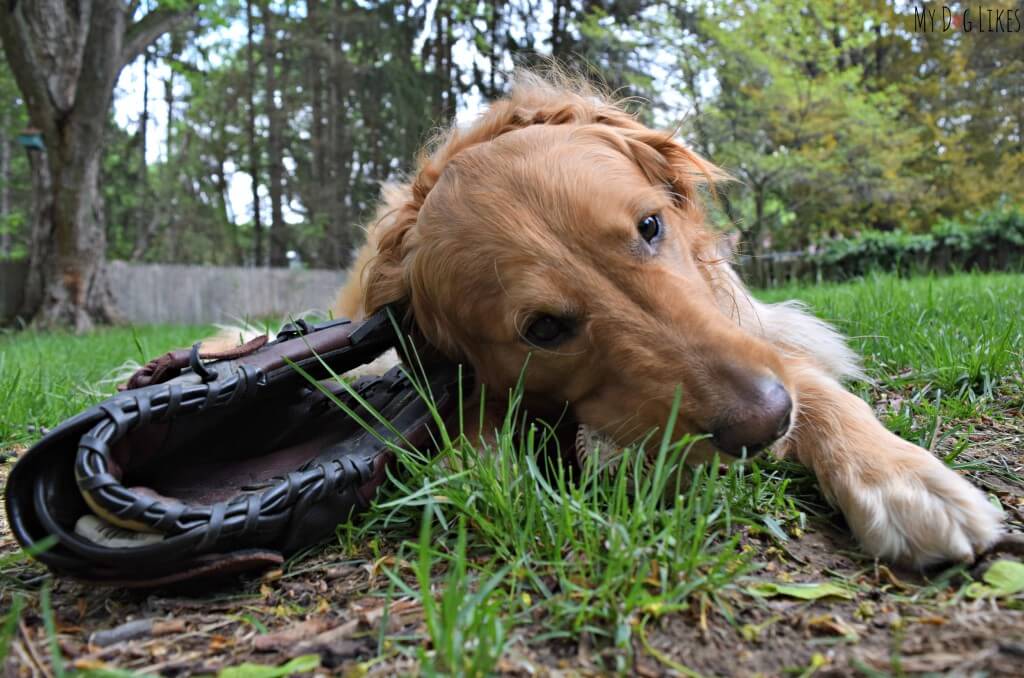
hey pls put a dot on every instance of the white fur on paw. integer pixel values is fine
(923, 514)
(590, 443)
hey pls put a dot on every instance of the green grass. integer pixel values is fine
(961, 334)
(494, 542)
(46, 378)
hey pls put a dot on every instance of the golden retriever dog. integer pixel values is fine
(557, 226)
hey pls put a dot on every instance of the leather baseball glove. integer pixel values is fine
(216, 463)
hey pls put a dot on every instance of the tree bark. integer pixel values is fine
(755, 234)
(5, 186)
(254, 149)
(145, 206)
(275, 145)
(444, 70)
(316, 37)
(339, 147)
(66, 57)
(494, 21)
(557, 29)
(169, 102)
(40, 245)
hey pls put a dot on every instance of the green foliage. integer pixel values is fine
(994, 241)
(306, 663)
(1004, 578)
(9, 625)
(803, 591)
(836, 117)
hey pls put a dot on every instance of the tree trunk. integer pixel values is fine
(40, 244)
(169, 101)
(144, 118)
(145, 210)
(494, 53)
(221, 181)
(75, 290)
(254, 149)
(340, 215)
(557, 30)
(5, 186)
(316, 37)
(275, 146)
(58, 50)
(755, 234)
(340, 147)
(443, 66)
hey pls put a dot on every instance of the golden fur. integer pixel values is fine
(533, 210)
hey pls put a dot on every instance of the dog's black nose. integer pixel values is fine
(758, 423)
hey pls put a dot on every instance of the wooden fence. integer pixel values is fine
(173, 293)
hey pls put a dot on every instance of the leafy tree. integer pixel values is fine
(836, 118)
(66, 58)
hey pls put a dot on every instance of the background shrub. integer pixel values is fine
(992, 241)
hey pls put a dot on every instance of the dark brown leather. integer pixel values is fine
(171, 364)
(236, 466)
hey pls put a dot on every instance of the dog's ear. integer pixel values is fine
(664, 160)
(663, 157)
(385, 276)
(533, 101)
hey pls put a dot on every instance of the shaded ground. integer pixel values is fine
(336, 604)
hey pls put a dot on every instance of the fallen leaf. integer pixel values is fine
(834, 626)
(752, 632)
(163, 627)
(329, 637)
(865, 611)
(370, 611)
(291, 635)
(303, 664)
(813, 591)
(337, 645)
(884, 573)
(272, 575)
(89, 664)
(218, 642)
(934, 620)
(1003, 579)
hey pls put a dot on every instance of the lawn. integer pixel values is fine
(503, 566)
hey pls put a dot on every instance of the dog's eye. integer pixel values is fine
(649, 227)
(546, 331)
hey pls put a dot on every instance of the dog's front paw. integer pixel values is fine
(918, 512)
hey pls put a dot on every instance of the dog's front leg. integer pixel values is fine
(901, 502)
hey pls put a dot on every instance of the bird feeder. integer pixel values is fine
(31, 139)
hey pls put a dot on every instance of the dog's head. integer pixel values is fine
(558, 227)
